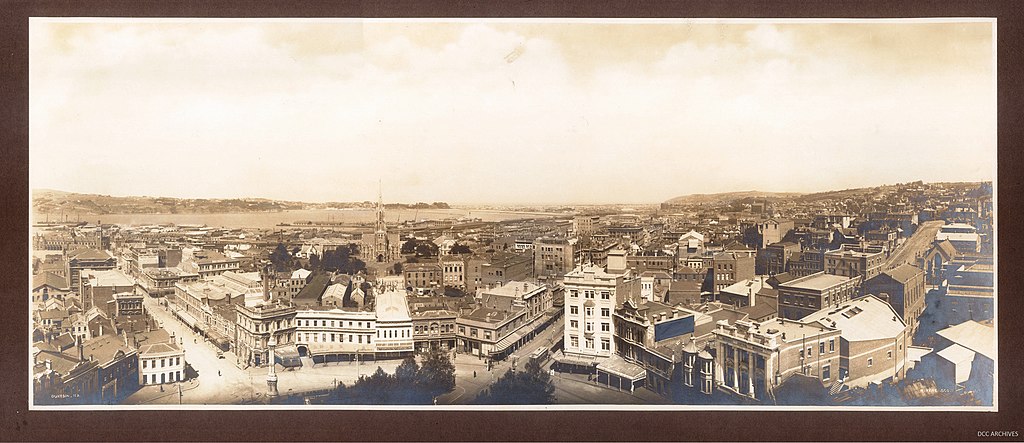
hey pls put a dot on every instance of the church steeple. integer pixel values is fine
(381, 226)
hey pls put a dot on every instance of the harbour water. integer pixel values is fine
(273, 219)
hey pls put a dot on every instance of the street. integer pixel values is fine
(915, 246)
(221, 382)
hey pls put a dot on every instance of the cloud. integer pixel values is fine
(321, 112)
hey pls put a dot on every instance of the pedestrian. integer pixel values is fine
(218, 373)
(474, 374)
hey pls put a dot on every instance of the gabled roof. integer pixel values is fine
(49, 279)
(89, 254)
(972, 335)
(904, 273)
(946, 248)
(862, 319)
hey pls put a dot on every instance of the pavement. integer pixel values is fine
(219, 381)
(472, 376)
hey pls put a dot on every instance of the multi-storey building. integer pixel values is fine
(254, 327)
(752, 359)
(773, 230)
(864, 262)
(161, 363)
(159, 282)
(453, 272)
(903, 288)
(506, 317)
(727, 268)
(775, 257)
(503, 267)
(591, 296)
(394, 338)
(805, 295)
(553, 256)
(873, 340)
(423, 276)
(81, 259)
(330, 333)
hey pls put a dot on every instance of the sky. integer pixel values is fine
(505, 111)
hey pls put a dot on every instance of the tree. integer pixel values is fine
(406, 371)
(437, 374)
(280, 258)
(529, 387)
(409, 246)
(398, 268)
(314, 262)
(458, 248)
(426, 249)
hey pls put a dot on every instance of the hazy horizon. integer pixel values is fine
(505, 112)
(430, 201)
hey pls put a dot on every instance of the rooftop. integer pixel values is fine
(818, 282)
(392, 306)
(862, 319)
(972, 335)
(904, 273)
(109, 277)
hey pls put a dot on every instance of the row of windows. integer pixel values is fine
(164, 378)
(332, 323)
(575, 310)
(605, 326)
(605, 295)
(606, 344)
(163, 362)
(334, 338)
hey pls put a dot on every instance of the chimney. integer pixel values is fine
(751, 297)
(49, 366)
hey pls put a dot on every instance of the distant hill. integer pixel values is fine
(729, 197)
(56, 202)
(49, 201)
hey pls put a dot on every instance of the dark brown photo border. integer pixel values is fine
(19, 424)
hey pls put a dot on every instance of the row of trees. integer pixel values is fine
(338, 260)
(341, 259)
(530, 387)
(411, 384)
(426, 248)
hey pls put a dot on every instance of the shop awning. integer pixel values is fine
(189, 319)
(575, 359)
(615, 365)
(506, 341)
(287, 356)
(219, 338)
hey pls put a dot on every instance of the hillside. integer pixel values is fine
(729, 197)
(47, 201)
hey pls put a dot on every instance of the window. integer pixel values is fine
(606, 327)
(590, 326)
(144, 365)
(605, 295)
(826, 372)
(574, 324)
(574, 341)
(821, 348)
(606, 312)
(889, 355)
(574, 310)
(606, 345)
(590, 312)
(590, 343)
(870, 361)
(832, 346)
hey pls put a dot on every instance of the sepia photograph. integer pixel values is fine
(512, 214)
